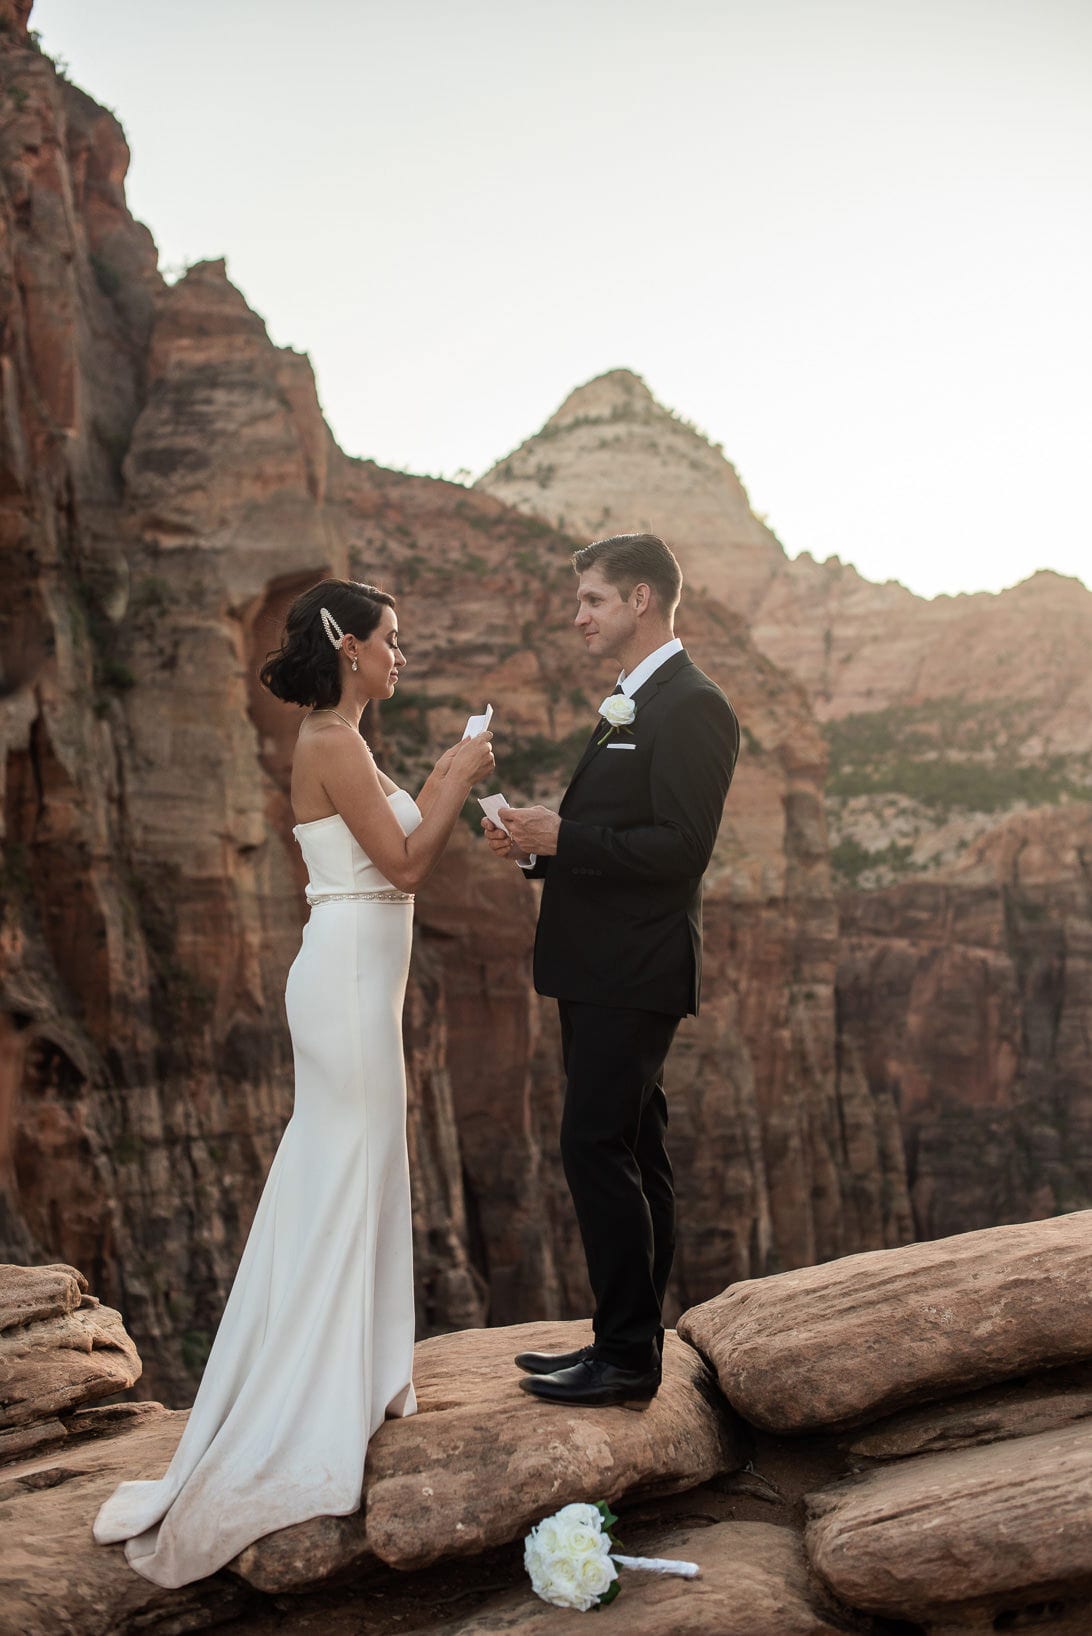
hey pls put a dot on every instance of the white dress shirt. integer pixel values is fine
(637, 677)
(640, 674)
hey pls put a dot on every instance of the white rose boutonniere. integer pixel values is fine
(572, 1563)
(618, 712)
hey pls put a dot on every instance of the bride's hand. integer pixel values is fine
(443, 766)
(473, 758)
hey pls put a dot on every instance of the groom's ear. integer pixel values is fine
(641, 597)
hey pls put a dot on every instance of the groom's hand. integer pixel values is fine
(533, 829)
(499, 844)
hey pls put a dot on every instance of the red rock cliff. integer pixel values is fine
(167, 483)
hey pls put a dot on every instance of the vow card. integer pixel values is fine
(490, 805)
(478, 724)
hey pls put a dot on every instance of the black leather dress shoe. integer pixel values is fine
(594, 1381)
(547, 1363)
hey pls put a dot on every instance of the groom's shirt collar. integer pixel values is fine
(640, 674)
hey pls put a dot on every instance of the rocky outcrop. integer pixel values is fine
(967, 1513)
(473, 1469)
(54, 1580)
(612, 460)
(924, 1321)
(754, 1582)
(957, 1534)
(61, 1349)
(478, 1463)
(1046, 1401)
(59, 1346)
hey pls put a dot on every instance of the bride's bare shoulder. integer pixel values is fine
(326, 737)
(320, 743)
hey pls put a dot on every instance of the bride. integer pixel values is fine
(315, 1346)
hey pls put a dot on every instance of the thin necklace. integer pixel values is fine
(328, 709)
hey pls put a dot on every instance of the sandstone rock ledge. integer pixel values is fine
(969, 1512)
(59, 1348)
(841, 1344)
(754, 1582)
(482, 1461)
(931, 1537)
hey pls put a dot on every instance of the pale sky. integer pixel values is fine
(851, 239)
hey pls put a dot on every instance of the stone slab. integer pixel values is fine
(30, 1294)
(836, 1345)
(1046, 1403)
(968, 1525)
(51, 1366)
(482, 1461)
(754, 1582)
(309, 1553)
(54, 1579)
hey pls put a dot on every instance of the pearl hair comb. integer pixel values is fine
(331, 627)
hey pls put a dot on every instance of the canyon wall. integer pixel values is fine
(167, 484)
(967, 999)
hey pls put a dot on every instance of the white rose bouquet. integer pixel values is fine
(618, 712)
(571, 1563)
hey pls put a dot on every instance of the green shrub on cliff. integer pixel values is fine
(950, 755)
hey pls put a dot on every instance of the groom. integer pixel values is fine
(619, 947)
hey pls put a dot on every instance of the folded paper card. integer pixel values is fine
(491, 805)
(478, 724)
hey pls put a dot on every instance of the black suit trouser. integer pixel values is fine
(613, 1147)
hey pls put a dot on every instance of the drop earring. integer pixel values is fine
(354, 664)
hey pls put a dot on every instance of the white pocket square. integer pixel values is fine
(621, 746)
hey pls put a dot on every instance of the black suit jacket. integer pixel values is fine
(620, 921)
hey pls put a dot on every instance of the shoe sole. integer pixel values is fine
(610, 1400)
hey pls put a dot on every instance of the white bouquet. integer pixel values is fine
(570, 1559)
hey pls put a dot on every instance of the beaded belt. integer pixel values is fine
(390, 895)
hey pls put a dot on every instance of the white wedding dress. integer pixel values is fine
(315, 1346)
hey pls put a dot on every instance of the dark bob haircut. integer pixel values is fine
(304, 670)
(626, 560)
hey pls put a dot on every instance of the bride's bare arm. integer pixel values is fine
(434, 782)
(351, 781)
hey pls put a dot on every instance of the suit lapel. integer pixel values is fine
(589, 750)
(644, 694)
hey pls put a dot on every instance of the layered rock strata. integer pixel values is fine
(59, 1348)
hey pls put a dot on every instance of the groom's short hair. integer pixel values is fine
(627, 560)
